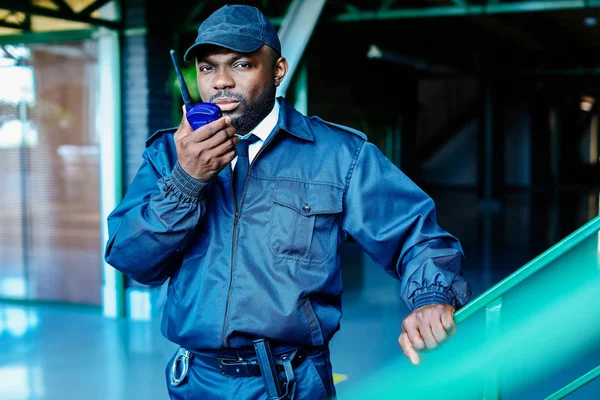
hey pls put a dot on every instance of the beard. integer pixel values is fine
(252, 112)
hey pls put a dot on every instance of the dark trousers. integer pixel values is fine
(314, 381)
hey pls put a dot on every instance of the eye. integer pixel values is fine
(205, 68)
(243, 65)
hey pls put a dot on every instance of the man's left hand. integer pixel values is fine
(426, 327)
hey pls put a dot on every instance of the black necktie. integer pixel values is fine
(242, 165)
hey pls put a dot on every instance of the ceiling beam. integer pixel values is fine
(352, 9)
(93, 7)
(47, 37)
(26, 24)
(63, 6)
(468, 10)
(21, 24)
(11, 25)
(387, 4)
(19, 6)
(509, 33)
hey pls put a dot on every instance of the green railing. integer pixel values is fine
(529, 269)
(576, 384)
(537, 323)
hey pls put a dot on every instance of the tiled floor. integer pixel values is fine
(64, 353)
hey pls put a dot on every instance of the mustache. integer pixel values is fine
(227, 94)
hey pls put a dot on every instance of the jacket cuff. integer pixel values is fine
(185, 183)
(431, 296)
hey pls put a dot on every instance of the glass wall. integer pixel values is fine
(50, 245)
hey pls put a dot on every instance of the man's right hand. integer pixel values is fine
(203, 153)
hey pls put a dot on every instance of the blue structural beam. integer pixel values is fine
(295, 32)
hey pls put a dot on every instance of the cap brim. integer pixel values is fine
(241, 44)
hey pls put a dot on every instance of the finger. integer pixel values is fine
(448, 323)
(184, 126)
(225, 147)
(408, 349)
(439, 333)
(427, 335)
(207, 131)
(219, 138)
(228, 157)
(413, 335)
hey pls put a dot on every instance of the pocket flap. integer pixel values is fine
(309, 198)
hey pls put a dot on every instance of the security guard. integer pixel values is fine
(246, 216)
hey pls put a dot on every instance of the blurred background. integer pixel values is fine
(490, 106)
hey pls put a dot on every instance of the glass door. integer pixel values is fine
(50, 230)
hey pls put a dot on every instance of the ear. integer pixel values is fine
(281, 69)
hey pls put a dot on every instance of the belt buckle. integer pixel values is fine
(239, 365)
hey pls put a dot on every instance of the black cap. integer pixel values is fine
(239, 28)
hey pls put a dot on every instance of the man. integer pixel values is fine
(250, 237)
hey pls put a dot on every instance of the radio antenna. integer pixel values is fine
(185, 93)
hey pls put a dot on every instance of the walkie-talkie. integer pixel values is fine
(197, 114)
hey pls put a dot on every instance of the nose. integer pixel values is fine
(223, 80)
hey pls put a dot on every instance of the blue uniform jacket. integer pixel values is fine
(271, 269)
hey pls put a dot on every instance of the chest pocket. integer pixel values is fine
(302, 218)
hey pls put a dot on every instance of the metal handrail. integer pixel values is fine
(576, 384)
(538, 263)
(491, 300)
(493, 303)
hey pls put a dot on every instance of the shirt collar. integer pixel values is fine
(286, 117)
(266, 126)
(293, 122)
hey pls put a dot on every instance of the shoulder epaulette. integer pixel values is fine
(343, 127)
(158, 133)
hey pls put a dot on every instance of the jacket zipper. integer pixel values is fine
(235, 226)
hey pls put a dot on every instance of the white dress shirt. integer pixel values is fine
(262, 131)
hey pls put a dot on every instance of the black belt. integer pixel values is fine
(245, 367)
